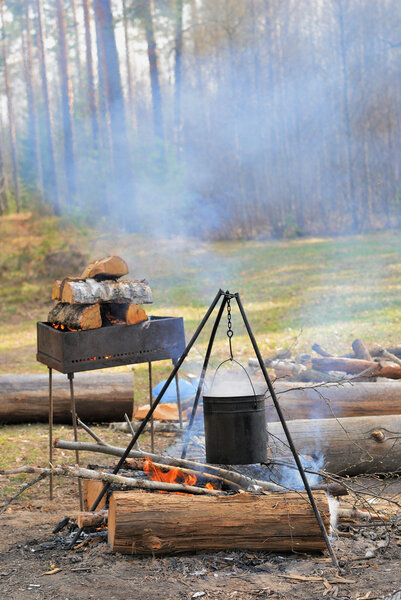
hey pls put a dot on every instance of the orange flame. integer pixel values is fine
(63, 327)
(173, 475)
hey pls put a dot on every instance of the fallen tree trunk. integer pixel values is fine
(76, 316)
(349, 446)
(169, 523)
(353, 399)
(105, 397)
(99, 397)
(91, 291)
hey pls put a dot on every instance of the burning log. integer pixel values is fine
(147, 523)
(76, 316)
(109, 267)
(91, 291)
(349, 446)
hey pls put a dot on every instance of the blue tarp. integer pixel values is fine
(187, 390)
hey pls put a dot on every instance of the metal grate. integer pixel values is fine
(159, 338)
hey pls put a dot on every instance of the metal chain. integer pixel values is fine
(230, 331)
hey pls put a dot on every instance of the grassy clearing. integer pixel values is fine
(295, 292)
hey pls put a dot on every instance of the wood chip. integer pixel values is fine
(341, 580)
(301, 578)
(52, 572)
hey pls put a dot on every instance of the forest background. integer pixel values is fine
(230, 119)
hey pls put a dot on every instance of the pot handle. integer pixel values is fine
(243, 368)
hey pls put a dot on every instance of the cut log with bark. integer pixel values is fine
(100, 397)
(91, 291)
(58, 285)
(360, 350)
(92, 519)
(109, 267)
(76, 316)
(349, 446)
(170, 523)
(337, 363)
(114, 312)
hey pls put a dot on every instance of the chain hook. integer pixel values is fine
(230, 331)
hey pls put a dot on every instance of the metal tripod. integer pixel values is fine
(225, 297)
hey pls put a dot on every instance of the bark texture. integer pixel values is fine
(171, 523)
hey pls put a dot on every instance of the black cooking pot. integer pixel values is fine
(235, 428)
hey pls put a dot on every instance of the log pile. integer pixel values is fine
(99, 297)
(362, 364)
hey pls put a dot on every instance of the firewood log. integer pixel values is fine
(336, 363)
(361, 350)
(99, 397)
(127, 313)
(349, 446)
(76, 316)
(91, 291)
(171, 523)
(90, 491)
(92, 519)
(109, 267)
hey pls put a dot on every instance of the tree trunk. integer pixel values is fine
(154, 70)
(349, 446)
(10, 108)
(169, 523)
(33, 124)
(67, 105)
(130, 81)
(49, 174)
(77, 42)
(123, 182)
(90, 76)
(99, 398)
(177, 72)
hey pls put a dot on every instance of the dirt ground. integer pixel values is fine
(29, 551)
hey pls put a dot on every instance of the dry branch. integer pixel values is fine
(129, 482)
(243, 481)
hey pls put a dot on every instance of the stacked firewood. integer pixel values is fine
(99, 297)
(362, 364)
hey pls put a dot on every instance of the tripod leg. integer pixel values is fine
(286, 431)
(202, 377)
(152, 424)
(51, 406)
(75, 426)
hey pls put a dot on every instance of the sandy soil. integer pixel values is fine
(29, 550)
